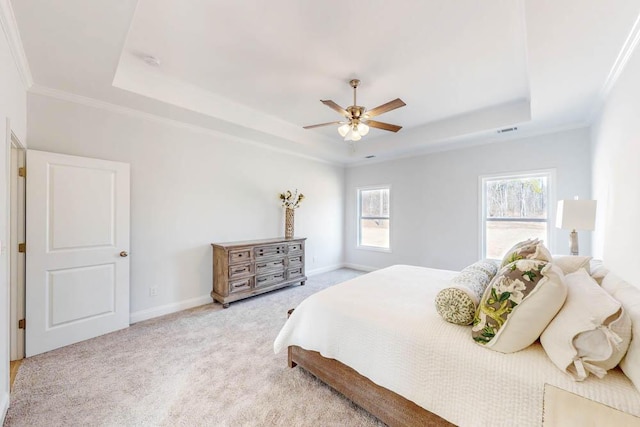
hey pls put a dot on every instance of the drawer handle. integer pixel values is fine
(240, 285)
(240, 270)
(261, 265)
(262, 279)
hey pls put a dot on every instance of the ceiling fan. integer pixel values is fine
(359, 118)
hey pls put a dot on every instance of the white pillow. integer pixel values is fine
(598, 270)
(571, 263)
(591, 333)
(629, 297)
(518, 304)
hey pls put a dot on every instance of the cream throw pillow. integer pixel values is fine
(629, 297)
(591, 333)
(571, 263)
(598, 270)
(518, 304)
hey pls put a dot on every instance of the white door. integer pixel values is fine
(77, 269)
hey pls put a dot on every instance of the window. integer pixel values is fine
(373, 217)
(514, 208)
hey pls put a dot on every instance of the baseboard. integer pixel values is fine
(4, 406)
(150, 313)
(360, 267)
(327, 269)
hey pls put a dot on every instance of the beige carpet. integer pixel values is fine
(200, 367)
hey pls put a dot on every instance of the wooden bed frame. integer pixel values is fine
(387, 406)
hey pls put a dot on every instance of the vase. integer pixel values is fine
(288, 223)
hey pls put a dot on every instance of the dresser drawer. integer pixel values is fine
(295, 247)
(266, 266)
(295, 261)
(270, 279)
(240, 270)
(262, 252)
(241, 285)
(292, 273)
(239, 255)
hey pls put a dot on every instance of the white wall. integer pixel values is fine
(13, 108)
(190, 188)
(616, 174)
(435, 197)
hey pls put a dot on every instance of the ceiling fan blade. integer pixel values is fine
(391, 105)
(321, 124)
(336, 107)
(383, 126)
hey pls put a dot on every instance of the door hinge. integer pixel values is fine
(22, 247)
(22, 324)
(22, 172)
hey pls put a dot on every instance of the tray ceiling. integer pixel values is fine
(257, 70)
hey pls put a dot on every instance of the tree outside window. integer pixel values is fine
(515, 208)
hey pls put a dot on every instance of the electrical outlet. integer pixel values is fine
(153, 291)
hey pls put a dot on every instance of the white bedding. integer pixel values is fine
(385, 326)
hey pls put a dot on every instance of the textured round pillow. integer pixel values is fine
(457, 304)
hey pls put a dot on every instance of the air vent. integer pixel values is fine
(151, 60)
(507, 130)
(369, 157)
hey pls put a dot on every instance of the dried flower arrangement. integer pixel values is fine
(291, 200)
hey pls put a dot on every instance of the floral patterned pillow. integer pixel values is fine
(457, 304)
(519, 303)
(528, 249)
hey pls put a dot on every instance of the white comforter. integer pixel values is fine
(385, 326)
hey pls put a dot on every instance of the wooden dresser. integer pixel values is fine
(252, 267)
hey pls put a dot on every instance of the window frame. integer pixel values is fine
(550, 174)
(359, 190)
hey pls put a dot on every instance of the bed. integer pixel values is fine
(379, 340)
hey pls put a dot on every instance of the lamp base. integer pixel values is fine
(573, 242)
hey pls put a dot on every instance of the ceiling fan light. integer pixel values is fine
(342, 130)
(363, 129)
(355, 136)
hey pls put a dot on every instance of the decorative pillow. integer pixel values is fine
(571, 263)
(529, 249)
(598, 270)
(457, 304)
(629, 296)
(518, 304)
(591, 333)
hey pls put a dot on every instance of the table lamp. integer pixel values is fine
(576, 215)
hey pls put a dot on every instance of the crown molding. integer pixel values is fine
(629, 46)
(11, 33)
(456, 145)
(135, 113)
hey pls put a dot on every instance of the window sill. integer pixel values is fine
(373, 249)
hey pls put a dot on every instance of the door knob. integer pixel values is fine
(124, 254)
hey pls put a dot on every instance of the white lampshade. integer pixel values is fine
(342, 130)
(576, 214)
(355, 136)
(363, 129)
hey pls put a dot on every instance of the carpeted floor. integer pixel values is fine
(200, 367)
